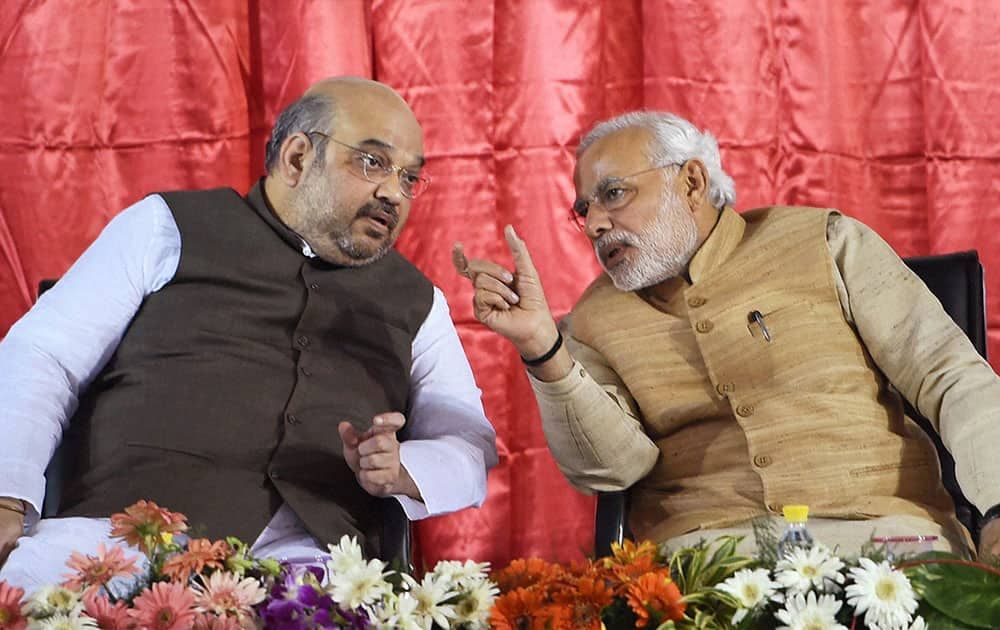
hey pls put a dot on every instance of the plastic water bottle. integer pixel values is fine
(796, 535)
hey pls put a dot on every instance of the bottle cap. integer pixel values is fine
(795, 513)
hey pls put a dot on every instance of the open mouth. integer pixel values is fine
(380, 223)
(613, 254)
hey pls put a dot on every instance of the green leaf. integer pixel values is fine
(962, 592)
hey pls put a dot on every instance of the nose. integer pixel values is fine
(598, 221)
(390, 191)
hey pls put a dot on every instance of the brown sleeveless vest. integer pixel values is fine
(745, 425)
(223, 398)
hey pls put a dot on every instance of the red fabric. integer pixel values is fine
(882, 108)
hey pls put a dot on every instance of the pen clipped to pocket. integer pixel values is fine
(757, 326)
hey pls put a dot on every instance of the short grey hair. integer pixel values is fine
(312, 112)
(675, 140)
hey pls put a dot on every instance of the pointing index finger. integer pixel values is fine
(519, 250)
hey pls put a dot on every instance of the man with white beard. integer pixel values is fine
(728, 364)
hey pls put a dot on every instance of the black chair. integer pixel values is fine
(957, 281)
(396, 542)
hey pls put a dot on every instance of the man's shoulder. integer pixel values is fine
(202, 196)
(778, 212)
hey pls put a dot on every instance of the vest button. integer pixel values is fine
(725, 388)
(305, 371)
(303, 341)
(762, 461)
(696, 301)
(274, 475)
(291, 419)
(313, 286)
(774, 507)
(744, 411)
(703, 326)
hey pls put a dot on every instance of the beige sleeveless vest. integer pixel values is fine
(746, 425)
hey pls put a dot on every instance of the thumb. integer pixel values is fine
(387, 423)
(523, 264)
(348, 434)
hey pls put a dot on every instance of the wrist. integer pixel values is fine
(11, 505)
(539, 343)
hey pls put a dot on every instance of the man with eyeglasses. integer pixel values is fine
(728, 364)
(267, 365)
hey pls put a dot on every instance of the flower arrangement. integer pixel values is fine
(176, 582)
(712, 586)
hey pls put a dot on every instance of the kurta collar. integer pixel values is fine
(720, 244)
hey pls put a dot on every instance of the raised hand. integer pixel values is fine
(512, 304)
(374, 456)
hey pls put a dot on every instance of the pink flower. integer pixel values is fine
(96, 571)
(225, 593)
(108, 617)
(10, 607)
(164, 606)
(208, 621)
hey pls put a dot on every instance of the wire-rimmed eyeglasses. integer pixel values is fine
(611, 193)
(377, 168)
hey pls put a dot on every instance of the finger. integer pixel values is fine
(385, 443)
(523, 264)
(491, 284)
(478, 266)
(348, 434)
(379, 483)
(486, 301)
(459, 260)
(388, 422)
(380, 461)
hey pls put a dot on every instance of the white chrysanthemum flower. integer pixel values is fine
(398, 613)
(466, 575)
(473, 606)
(345, 556)
(62, 621)
(363, 585)
(883, 594)
(752, 589)
(431, 594)
(801, 570)
(810, 613)
(918, 624)
(52, 600)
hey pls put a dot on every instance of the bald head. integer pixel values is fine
(335, 101)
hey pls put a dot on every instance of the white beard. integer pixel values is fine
(662, 249)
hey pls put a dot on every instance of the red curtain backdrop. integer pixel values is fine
(882, 108)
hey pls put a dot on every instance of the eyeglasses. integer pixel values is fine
(612, 193)
(377, 168)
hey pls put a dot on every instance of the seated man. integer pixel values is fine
(728, 364)
(248, 361)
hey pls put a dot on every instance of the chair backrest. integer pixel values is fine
(957, 281)
(395, 544)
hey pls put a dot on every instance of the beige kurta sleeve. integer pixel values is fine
(922, 352)
(591, 423)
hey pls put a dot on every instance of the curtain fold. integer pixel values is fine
(881, 108)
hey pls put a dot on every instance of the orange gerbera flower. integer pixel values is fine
(655, 594)
(622, 574)
(144, 523)
(517, 609)
(583, 602)
(523, 573)
(10, 607)
(628, 551)
(96, 571)
(200, 553)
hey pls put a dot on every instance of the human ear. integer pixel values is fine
(694, 183)
(296, 154)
